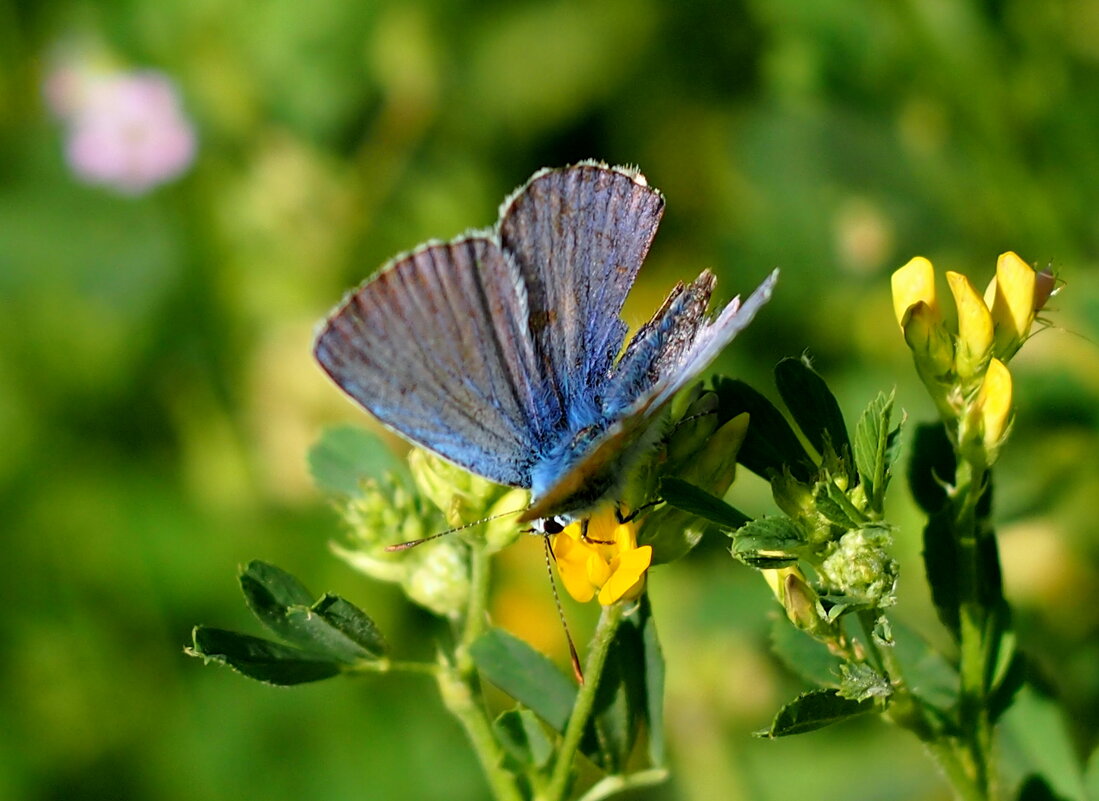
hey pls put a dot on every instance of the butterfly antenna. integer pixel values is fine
(404, 546)
(573, 656)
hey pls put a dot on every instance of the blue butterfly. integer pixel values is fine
(502, 350)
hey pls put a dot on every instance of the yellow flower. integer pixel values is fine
(601, 555)
(1014, 296)
(994, 405)
(974, 327)
(914, 283)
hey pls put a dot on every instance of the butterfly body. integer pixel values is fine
(502, 350)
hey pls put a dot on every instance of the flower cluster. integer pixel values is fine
(600, 555)
(964, 367)
(434, 575)
(125, 130)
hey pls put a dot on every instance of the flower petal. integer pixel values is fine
(1013, 305)
(628, 577)
(913, 283)
(572, 566)
(994, 402)
(974, 327)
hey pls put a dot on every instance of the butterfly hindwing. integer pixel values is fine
(601, 464)
(436, 346)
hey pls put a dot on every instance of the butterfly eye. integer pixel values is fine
(552, 525)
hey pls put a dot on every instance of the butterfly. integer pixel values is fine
(504, 350)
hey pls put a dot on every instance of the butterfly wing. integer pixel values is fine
(436, 346)
(578, 236)
(675, 347)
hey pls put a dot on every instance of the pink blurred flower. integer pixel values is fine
(126, 130)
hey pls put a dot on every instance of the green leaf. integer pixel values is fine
(346, 455)
(347, 621)
(814, 710)
(940, 561)
(926, 671)
(631, 692)
(1091, 777)
(1034, 788)
(835, 506)
(768, 542)
(689, 498)
(860, 682)
(770, 443)
(1008, 677)
(803, 655)
(932, 465)
(672, 533)
(269, 590)
(876, 447)
(619, 700)
(654, 683)
(332, 628)
(259, 659)
(814, 408)
(525, 675)
(1037, 726)
(523, 738)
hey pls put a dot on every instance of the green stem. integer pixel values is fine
(585, 701)
(974, 651)
(461, 690)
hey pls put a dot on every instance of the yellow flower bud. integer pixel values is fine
(974, 327)
(1013, 303)
(800, 602)
(914, 283)
(928, 340)
(993, 403)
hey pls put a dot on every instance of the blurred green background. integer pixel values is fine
(157, 394)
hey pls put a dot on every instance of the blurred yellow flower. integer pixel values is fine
(601, 555)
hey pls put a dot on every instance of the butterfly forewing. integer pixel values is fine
(578, 237)
(436, 347)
